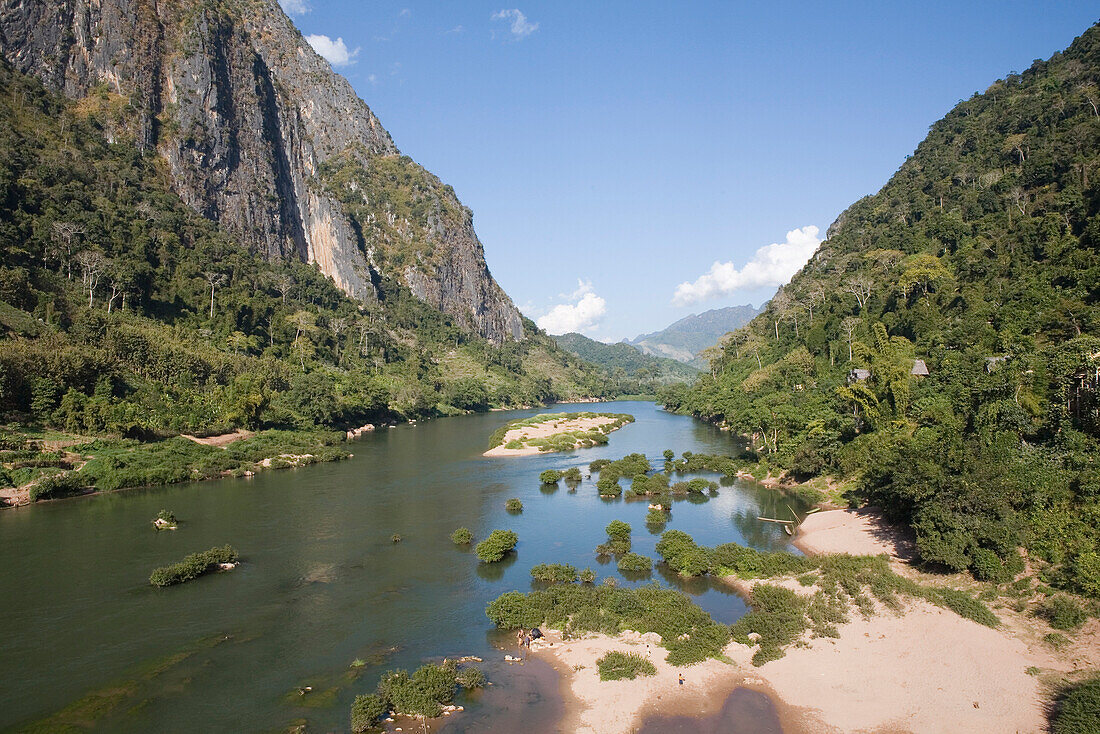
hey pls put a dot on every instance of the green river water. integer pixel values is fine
(86, 642)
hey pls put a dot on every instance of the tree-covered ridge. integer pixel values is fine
(981, 259)
(624, 360)
(125, 312)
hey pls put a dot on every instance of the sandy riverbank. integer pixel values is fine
(924, 670)
(545, 430)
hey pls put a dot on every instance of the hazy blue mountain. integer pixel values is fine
(684, 339)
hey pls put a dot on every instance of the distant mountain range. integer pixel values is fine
(685, 339)
(626, 357)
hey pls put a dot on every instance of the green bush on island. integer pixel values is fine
(643, 485)
(554, 572)
(596, 466)
(550, 476)
(669, 454)
(656, 518)
(635, 563)
(462, 536)
(166, 517)
(366, 711)
(572, 475)
(1078, 709)
(1062, 613)
(193, 566)
(687, 632)
(513, 505)
(587, 576)
(617, 665)
(608, 487)
(421, 694)
(618, 530)
(494, 548)
(470, 678)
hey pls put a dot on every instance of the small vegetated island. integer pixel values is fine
(555, 432)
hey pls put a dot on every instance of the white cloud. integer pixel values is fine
(335, 52)
(581, 313)
(294, 7)
(772, 266)
(520, 28)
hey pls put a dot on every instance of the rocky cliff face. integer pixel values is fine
(254, 126)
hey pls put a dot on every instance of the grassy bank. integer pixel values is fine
(31, 474)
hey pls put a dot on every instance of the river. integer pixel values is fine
(87, 641)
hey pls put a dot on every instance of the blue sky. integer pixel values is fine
(614, 152)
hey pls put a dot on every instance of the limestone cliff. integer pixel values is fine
(260, 134)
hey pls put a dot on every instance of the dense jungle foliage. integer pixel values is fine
(981, 259)
(123, 312)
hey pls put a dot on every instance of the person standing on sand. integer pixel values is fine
(681, 679)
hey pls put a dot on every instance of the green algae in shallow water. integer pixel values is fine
(87, 711)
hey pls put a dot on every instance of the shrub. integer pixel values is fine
(618, 530)
(366, 711)
(617, 665)
(988, 566)
(470, 678)
(56, 486)
(462, 536)
(635, 563)
(1062, 613)
(596, 466)
(588, 576)
(192, 566)
(494, 548)
(554, 572)
(672, 545)
(1079, 709)
(656, 517)
(514, 609)
(419, 694)
(778, 616)
(572, 475)
(967, 606)
(609, 486)
(167, 517)
(691, 562)
(513, 505)
(608, 609)
(550, 476)
(613, 548)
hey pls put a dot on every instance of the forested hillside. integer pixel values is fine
(124, 312)
(980, 258)
(624, 361)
